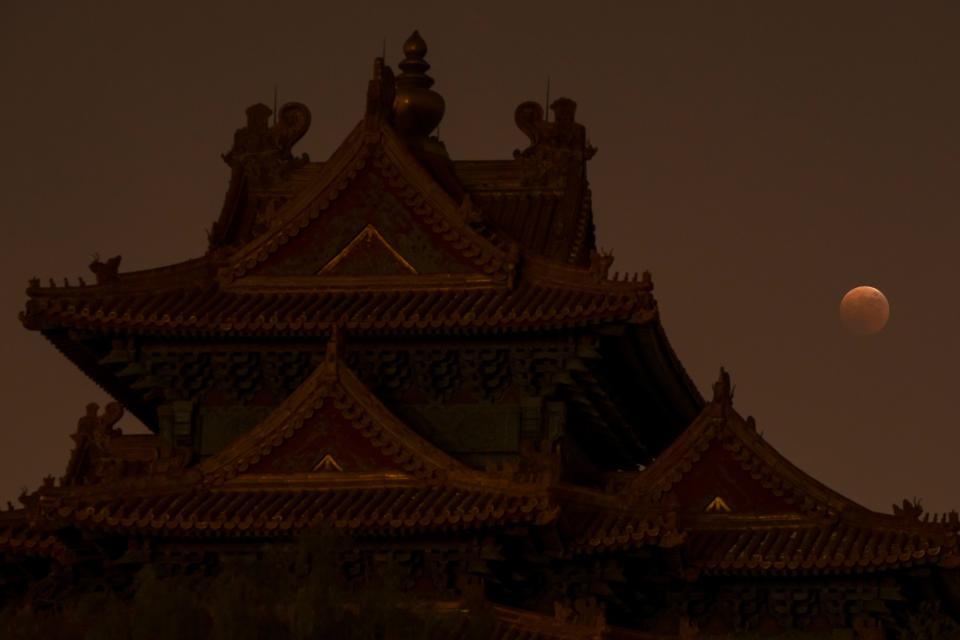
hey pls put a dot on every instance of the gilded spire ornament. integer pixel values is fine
(417, 108)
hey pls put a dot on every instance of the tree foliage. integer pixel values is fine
(292, 591)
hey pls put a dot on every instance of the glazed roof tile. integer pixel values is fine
(206, 308)
(227, 291)
(374, 506)
(357, 409)
(375, 143)
(593, 521)
(18, 537)
(532, 214)
(801, 526)
(428, 490)
(839, 546)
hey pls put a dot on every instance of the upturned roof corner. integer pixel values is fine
(433, 357)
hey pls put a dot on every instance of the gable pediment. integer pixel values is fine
(717, 484)
(373, 212)
(330, 424)
(720, 469)
(328, 441)
(368, 231)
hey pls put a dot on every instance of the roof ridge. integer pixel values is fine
(132, 281)
(594, 278)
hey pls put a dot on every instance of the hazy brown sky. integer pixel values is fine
(760, 158)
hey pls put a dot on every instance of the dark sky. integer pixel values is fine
(760, 158)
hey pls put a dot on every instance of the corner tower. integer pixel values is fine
(430, 356)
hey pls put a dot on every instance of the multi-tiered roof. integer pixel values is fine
(387, 243)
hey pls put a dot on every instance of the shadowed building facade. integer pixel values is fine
(431, 357)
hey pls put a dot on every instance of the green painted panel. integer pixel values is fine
(468, 428)
(219, 426)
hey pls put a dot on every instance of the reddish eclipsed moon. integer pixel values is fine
(864, 310)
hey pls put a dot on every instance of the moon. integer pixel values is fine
(864, 310)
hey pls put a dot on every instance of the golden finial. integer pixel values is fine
(417, 109)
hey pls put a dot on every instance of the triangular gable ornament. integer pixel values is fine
(367, 248)
(328, 463)
(718, 505)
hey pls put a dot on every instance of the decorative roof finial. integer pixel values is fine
(417, 109)
(647, 280)
(106, 272)
(381, 91)
(722, 390)
(415, 48)
(555, 146)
